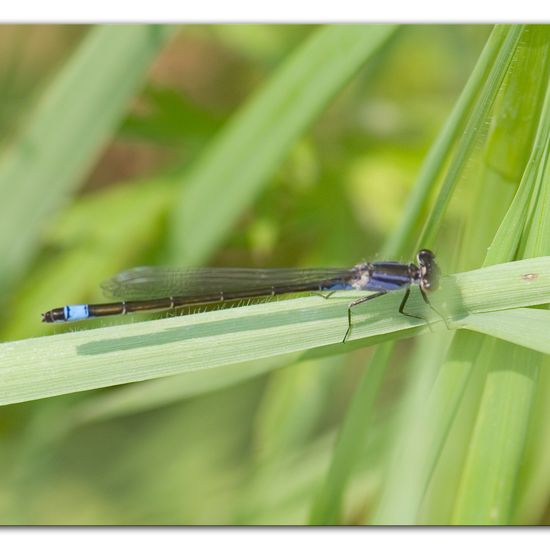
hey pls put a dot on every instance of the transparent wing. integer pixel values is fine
(140, 283)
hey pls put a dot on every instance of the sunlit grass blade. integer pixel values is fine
(498, 180)
(41, 367)
(408, 481)
(65, 133)
(496, 450)
(447, 397)
(233, 169)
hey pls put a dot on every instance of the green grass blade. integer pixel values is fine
(496, 447)
(42, 367)
(66, 132)
(523, 326)
(408, 462)
(293, 400)
(250, 148)
(472, 130)
(508, 236)
(403, 239)
(531, 495)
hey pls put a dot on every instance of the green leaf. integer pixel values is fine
(42, 367)
(411, 456)
(66, 132)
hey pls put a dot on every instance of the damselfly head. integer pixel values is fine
(429, 271)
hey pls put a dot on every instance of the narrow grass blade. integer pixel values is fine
(403, 239)
(408, 480)
(472, 130)
(506, 240)
(66, 132)
(233, 169)
(446, 400)
(490, 474)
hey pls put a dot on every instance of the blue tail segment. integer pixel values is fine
(76, 312)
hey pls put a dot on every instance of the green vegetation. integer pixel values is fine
(277, 146)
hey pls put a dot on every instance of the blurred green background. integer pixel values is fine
(244, 449)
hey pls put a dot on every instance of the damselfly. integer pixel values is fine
(157, 288)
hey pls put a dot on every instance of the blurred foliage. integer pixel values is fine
(255, 448)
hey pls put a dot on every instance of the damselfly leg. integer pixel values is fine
(356, 303)
(404, 301)
(427, 301)
(433, 308)
(401, 309)
(325, 296)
